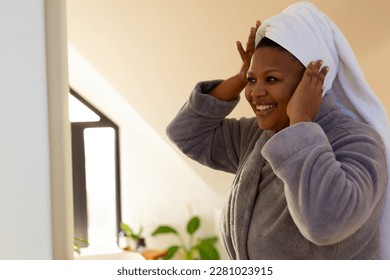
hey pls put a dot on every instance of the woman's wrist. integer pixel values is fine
(295, 120)
(242, 78)
(229, 89)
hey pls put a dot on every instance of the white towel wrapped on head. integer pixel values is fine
(310, 35)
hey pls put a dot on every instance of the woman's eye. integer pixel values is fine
(251, 80)
(271, 79)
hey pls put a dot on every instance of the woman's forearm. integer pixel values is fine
(230, 88)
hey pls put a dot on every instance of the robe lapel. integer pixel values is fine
(243, 198)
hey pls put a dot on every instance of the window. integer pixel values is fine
(96, 184)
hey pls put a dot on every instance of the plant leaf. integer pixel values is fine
(207, 250)
(208, 253)
(171, 252)
(76, 239)
(193, 225)
(209, 240)
(126, 229)
(164, 230)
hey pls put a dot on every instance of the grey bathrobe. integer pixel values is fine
(311, 191)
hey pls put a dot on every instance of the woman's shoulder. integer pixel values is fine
(357, 135)
(337, 124)
(348, 126)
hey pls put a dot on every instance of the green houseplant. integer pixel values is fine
(76, 244)
(201, 248)
(128, 232)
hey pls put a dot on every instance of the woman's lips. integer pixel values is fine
(263, 108)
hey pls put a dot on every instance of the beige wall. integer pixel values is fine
(375, 64)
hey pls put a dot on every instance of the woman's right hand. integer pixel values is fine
(246, 54)
(229, 89)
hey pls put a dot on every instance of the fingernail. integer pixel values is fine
(321, 62)
(326, 68)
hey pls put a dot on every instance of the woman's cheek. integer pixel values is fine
(248, 95)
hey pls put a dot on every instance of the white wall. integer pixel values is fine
(157, 187)
(24, 161)
(26, 142)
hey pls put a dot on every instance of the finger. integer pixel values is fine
(250, 45)
(258, 23)
(240, 49)
(322, 75)
(312, 71)
(308, 75)
(316, 69)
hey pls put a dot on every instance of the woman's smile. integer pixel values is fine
(264, 109)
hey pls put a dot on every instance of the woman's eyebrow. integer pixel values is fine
(272, 70)
(266, 71)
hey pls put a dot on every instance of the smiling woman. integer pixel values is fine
(310, 166)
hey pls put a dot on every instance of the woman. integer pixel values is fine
(310, 169)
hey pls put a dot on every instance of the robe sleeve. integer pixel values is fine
(331, 189)
(202, 131)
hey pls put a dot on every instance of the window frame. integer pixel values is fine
(80, 212)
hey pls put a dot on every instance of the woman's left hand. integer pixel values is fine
(306, 100)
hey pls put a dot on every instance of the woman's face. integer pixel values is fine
(273, 76)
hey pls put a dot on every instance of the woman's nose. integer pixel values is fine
(258, 91)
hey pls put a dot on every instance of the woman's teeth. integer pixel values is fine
(264, 107)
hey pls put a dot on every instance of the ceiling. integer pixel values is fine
(154, 51)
